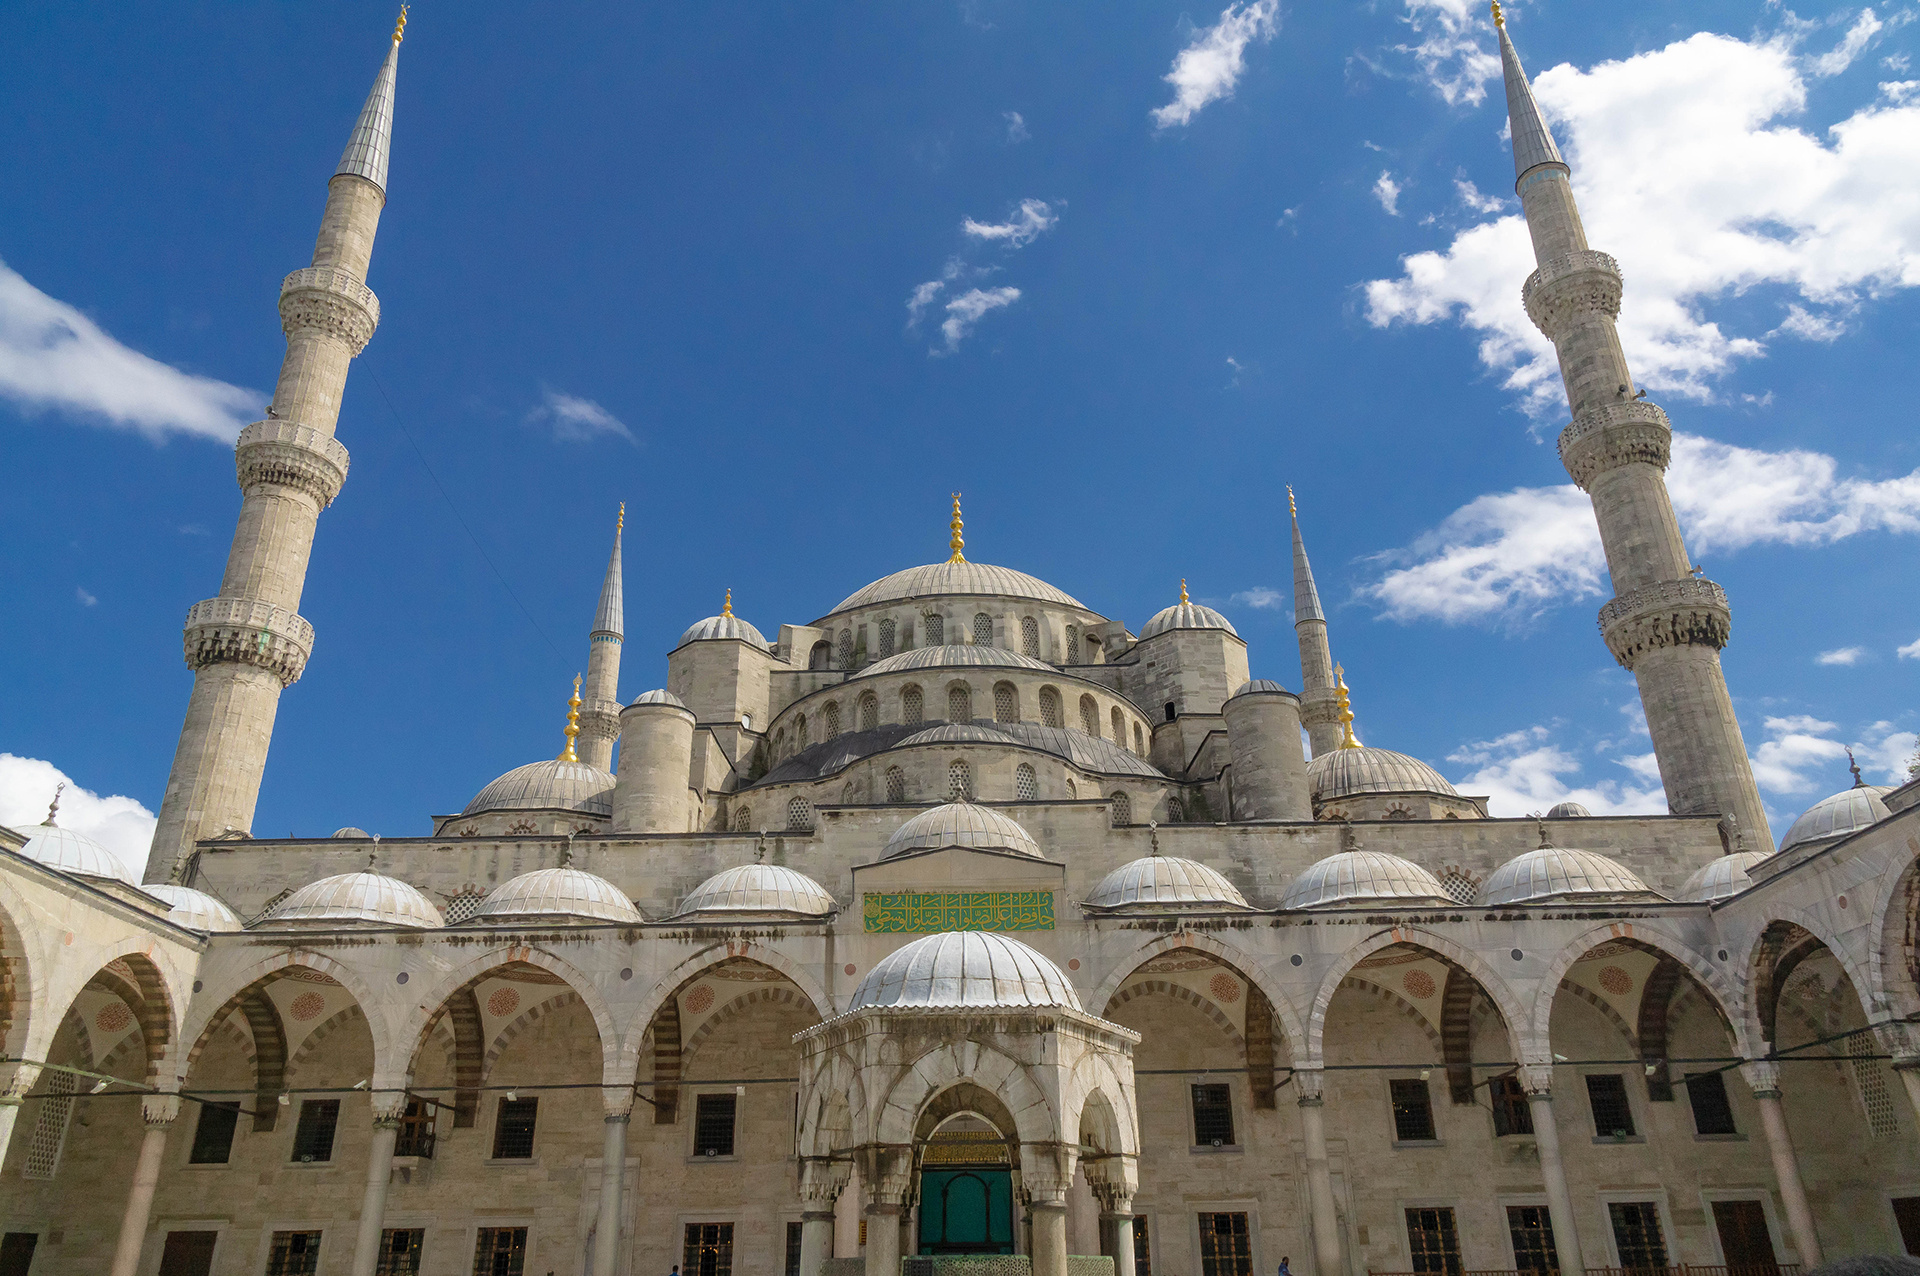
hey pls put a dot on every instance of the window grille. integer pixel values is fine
(1175, 813)
(1636, 1233)
(830, 721)
(294, 1254)
(708, 1250)
(1089, 716)
(1607, 1096)
(50, 1127)
(1073, 644)
(1073, 791)
(1122, 810)
(463, 905)
(1213, 1115)
(845, 648)
(500, 1251)
(800, 733)
(1026, 785)
(1412, 1110)
(1461, 886)
(313, 1136)
(896, 784)
(743, 819)
(869, 712)
(983, 630)
(936, 630)
(792, 1265)
(1050, 708)
(713, 1125)
(1511, 1115)
(213, 1134)
(959, 781)
(799, 814)
(1707, 1095)
(1226, 1248)
(513, 1128)
(1870, 1077)
(400, 1252)
(1006, 703)
(1433, 1241)
(911, 707)
(1030, 637)
(959, 704)
(1142, 1247)
(1531, 1229)
(886, 637)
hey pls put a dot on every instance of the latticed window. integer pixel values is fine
(50, 1127)
(845, 648)
(1511, 1115)
(1213, 1115)
(1531, 1229)
(1174, 811)
(463, 905)
(869, 712)
(1119, 723)
(1226, 1247)
(983, 629)
(936, 629)
(500, 1251)
(1030, 637)
(959, 704)
(799, 813)
(313, 1136)
(912, 707)
(1050, 708)
(1089, 716)
(886, 637)
(743, 819)
(1607, 1096)
(399, 1252)
(830, 721)
(959, 781)
(896, 784)
(1433, 1240)
(294, 1254)
(1870, 1076)
(1412, 1110)
(1460, 885)
(713, 1122)
(1636, 1233)
(513, 1128)
(1006, 703)
(1026, 785)
(800, 733)
(708, 1250)
(1073, 644)
(1122, 809)
(1073, 790)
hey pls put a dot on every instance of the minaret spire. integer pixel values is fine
(1319, 709)
(1663, 624)
(372, 138)
(600, 720)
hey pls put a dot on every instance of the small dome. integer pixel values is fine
(365, 896)
(1340, 773)
(660, 696)
(759, 888)
(1845, 812)
(545, 786)
(351, 832)
(1356, 877)
(1569, 811)
(1722, 879)
(72, 852)
(1257, 686)
(196, 910)
(964, 968)
(1556, 872)
(955, 656)
(1163, 881)
(961, 824)
(1185, 616)
(560, 893)
(718, 628)
(938, 579)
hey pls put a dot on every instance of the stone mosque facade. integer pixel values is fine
(967, 928)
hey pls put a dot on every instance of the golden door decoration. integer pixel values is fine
(930, 912)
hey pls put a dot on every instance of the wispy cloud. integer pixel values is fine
(956, 292)
(964, 311)
(1796, 745)
(1209, 67)
(85, 599)
(1387, 191)
(1841, 656)
(1261, 598)
(121, 824)
(1471, 196)
(1841, 56)
(1016, 127)
(55, 359)
(1526, 772)
(1451, 48)
(1033, 218)
(573, 419)
(1909, 652)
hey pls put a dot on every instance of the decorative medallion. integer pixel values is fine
(1224, 987)
(1419, 984)
(1615, 980)
(113, 1017)
(306, 1006)
(700, 1000)
(503, 1002)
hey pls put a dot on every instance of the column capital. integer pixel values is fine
(1762, 1077)
(1901, 1039)
(1311, 1083)
(159, 1110)
(19, 1079)
(617, 1101)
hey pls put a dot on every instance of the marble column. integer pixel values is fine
(388, 1105)
(1116, 1225)
(1764, 1079)
(613, 1178)
(1327, 1258)
(1049, 1235)
(883, 1238)
(11, 1097)
(821, 1182)
(1901, 1040)
(888, 1171)
(157, 1111)
(1538, 1080)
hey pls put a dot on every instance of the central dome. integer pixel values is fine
(951, 655)
(547, 786)
(937, 579)
(965, 968)
(961, 824)
(1341, 773)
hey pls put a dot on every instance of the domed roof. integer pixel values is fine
(964, 968)
(960, 824)
(956, 578)
(1164, 881)
(72, 852)
(1355, 877)
(350, 833)
(1555, 872)
(196, 910)
(716, 628)
(1721, 879)
(1569, 811)
(759, 888)
(1258, 685)
(549, 785)
(660, 695)
(1845, 812)
(954, 655)
(1185, 615)
(955, 733)
(365, 896)
(1343, 772)
(561, 893)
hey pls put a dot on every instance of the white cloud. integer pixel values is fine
(86, 599)
(54, 358)
(1696, 133)
(1032, 219)
(1261, 598)
(1801, 322)
(120, 824)
(1797, 745)
(1885, 754)
(1909, 652)
(1471, 196)
(1208, 68)
(1016, 127)
(576, 420)
(1898, 91)
(1449, 54)
(1387, 191)
(1840, 656)
(964, 311)
(1527, 771)
(1864, 28)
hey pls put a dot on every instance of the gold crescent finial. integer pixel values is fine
(1183, 591)
(956, 542)
(726, 608)
(1346, 708)
(1499, 18)
(1292, 509)
(573, 723)
(400, 27)
(620, 522)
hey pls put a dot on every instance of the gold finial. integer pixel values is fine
(400, 27)
(1346, 708)
(573, 723)
(1183, 591)
(956, 542)
(1499, 18)
(1293, 511)
(726, 608)
(620, 522)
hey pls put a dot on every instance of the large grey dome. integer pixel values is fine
(964, 968)
(196, 910)
(1845, 812)
(562, 894)
(1358, 877)
(955, 656)
(1257, 686)
(549, 785)
(961, 824)
(1341, 773)
(1165, 882)
(1185, 615)
(1556, 872)
(365, 896)
(72, 852)
(722, 627)
(937, 579)
(1722, 879)
(759, 888)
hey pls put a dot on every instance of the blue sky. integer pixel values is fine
(782, 276)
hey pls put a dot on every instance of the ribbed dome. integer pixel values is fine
(661, 696)
(560, 893)
(1258, 685)
(72, 852)
(1163, 881)
(970, 968)
(716, 628)
(1185, 616)
(1341, 773)
(1845, 812)
(358, 897)
(1356, 877)
(1569, 811)
(759, 888)
(961, 824)
(1556, 872)
(196, 910)
(955, 733)
(350, 833)
(1722, 879)
(956, 578)
(549, 785)
(954, 656)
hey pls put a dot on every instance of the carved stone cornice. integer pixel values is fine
(1667, 613)
(1570, 287)
(331, 301)
(1612, 435)
(289, 455)
(247, 631)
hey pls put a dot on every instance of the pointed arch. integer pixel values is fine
(1512, 1009)
(352, 1014)
(236, 989)
(1893, 941)
(20, 965)
(420, 1018)
(1251, 966)
(1651, 938)
(923, 1079)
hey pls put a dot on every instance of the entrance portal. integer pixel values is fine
(966, 1190)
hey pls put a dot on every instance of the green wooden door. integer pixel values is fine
(966, 1211)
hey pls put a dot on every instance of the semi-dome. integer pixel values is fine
(1256, 686)
(195, 910)
(1557, 872)
(1845, 812)
(561, 894)
(722, 627)
(1165, 881)
(549, 785)
(955, 733)
(1359, 877)
(72, 852)
(1569, 811)
(1722, 879)
(1340, 773)
(1185, 615)
(961, 824)
(660, 695)
(365, 896)
(963, 577)
(964, 968)
(759, 888)
(955, 655)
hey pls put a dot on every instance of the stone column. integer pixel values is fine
(1049, 1236)
(1116, 1226)
(1538, 1080)
(1764, 1079)
(821, 1182)
(1898, 1039)
(158, 1112)
(388, 1105)
(887, 1172)
(613, 1178)
(12, 1095)
(1327, 1259)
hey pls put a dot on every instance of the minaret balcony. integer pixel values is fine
(1612, 435)
(1670, 613)
(248, 631)
(330, 301)
(285, 454)
(1566, 289)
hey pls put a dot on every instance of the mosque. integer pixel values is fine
(965, 928)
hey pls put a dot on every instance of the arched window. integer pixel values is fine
(1050, 708)
(1073, 791)
(911, 707)
(1119, 728)
(906, 634)
(846, 794)
(936, 629)
(846, 648)
(1073, 644)
(780, 743)
(1026, 785)
(830, 721)
(1089, 716)
(886, 637)
(743, 819)
(1175, 813)
(821, 657)
(1030, 637)
(1139, 746)
(896, 784)
(959, 704)
(800, 731)
(983, 630)
(959, 781)
(799, 813)
(869, 711)
(1122, 809)
(1006, 703)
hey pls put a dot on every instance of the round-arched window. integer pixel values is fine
(1006, 703)
(983, 629)
(1026, 785)
(896, 784)
(1050, 708)
(959, 781)
(1030, 636)
(911, 706)
(959, 704)
(1122, 809)
(799, 813)
(869, 712)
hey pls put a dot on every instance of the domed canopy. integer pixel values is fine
(1843, 813)
(365, 896)
(938, 579)
(954, 656)
(1185, 615)
(1569, 811)
(718, 628)
(350, 833)
(961, 824)
(1722, 879)
(196, 910)
(549, 785)
(759, 888)
(1556, 872)
(72, 852)
(561, 894)
(1357, 877)
(959, 969)
(1341, 773)
(1165, 882)
(1258, 685)
(661, 696)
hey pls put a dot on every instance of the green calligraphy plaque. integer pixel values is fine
(930, 912)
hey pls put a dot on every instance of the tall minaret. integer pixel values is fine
(600, 720)
(1665, 622)
(1319, 709)
(249, 643)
